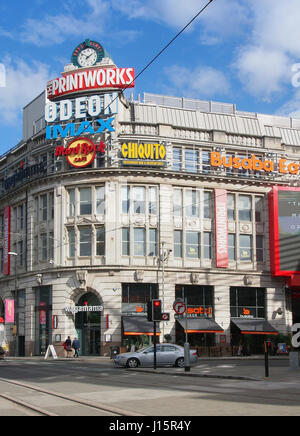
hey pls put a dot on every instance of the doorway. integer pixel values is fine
(88, 325)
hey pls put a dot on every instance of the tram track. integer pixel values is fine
(107, 410)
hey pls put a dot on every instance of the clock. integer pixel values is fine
(87, 57)
(88, 53)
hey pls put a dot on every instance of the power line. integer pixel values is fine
(163, 50)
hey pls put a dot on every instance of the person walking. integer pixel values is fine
(68, 346)
(76, 346)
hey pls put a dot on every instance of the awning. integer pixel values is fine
(138, 325)
(254, 326)
(200, 325)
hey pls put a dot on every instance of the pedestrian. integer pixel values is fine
(68, 346)
(76, 346)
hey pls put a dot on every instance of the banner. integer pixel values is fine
(6, 239)
(221, 228)
(9, 311)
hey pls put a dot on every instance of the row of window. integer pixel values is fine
(144, 242)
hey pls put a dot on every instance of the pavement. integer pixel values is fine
(237, 368)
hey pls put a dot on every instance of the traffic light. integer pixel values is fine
(149, 310)
(156, 310)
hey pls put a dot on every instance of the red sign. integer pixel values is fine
(80, 152)
(9, 311)
(221, 225)
(90, 80)
(7, 238)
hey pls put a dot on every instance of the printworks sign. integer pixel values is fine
(147, 154)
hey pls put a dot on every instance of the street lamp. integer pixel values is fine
(12, 253)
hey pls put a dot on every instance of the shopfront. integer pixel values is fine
(136, 329)
(43, 317)
(249, 327)
(199, 323)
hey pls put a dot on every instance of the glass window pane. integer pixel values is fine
(85, 201)
(125, 242)
(231, 246)
(139, 242)
(125, 195)
(177, 159)
(245, 247)
(192, 245)
(177, 243)
(139, 199)
(207, 204)
(244, 206)
(100, 200)
(192, 203)
(152, 242)
(100, 242)
(85, 242)
(153, 200)
(71, 238)
(207, 245)
(72, 202)
(230, 206)
(177, 202)
(191, 161)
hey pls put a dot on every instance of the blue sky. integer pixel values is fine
(237, 51)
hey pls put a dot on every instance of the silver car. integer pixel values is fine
(166, 354)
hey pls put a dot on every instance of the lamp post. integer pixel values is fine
(12, 253)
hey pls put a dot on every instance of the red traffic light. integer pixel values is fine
(157, 303)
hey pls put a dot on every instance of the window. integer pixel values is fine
(85, 241)
(100, 241)
(125, 241)
(244, 206)
(177, 159)
(207, 238)
(231, 246)
(207, 213)
(193, 245)
(258, 209)
(71, 239)
(192, 203)
(246, 248)
(100, 200)
(177, 202)
(71, 202)
(44, 207)
(51, 205)
(191, 161)
(139, 242)
(152, 200)
(139, 200)
(125, 195)
(178, 243)
(231, 207)
(152, 242)
(206, 161)
(85, 201)
(44, 253)
(51, 245)
(21, 217)
(247, 302)
(259, 248)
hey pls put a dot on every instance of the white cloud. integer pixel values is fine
(264, 63)
(202, 82)
(23, 83)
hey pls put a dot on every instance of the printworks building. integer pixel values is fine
(107, 203)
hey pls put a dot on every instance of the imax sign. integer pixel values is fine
(85, 127)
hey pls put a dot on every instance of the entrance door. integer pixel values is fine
(88, 325)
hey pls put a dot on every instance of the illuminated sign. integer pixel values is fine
(82, 107)
(80, 152)
(85, 127)
(91, 79)
(147, 154)
(9, 311)
(253, 163)
(195, 311)
(284, 224)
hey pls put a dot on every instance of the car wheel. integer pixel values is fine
(132, 363)
(180, 362)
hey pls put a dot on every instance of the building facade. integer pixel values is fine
(108, 202)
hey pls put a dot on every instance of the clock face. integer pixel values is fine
(87, 57)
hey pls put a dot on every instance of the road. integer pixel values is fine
(142, 393)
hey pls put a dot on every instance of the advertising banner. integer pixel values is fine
(7, 239)
(9, 311)
(221, 224)
(284, 220)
